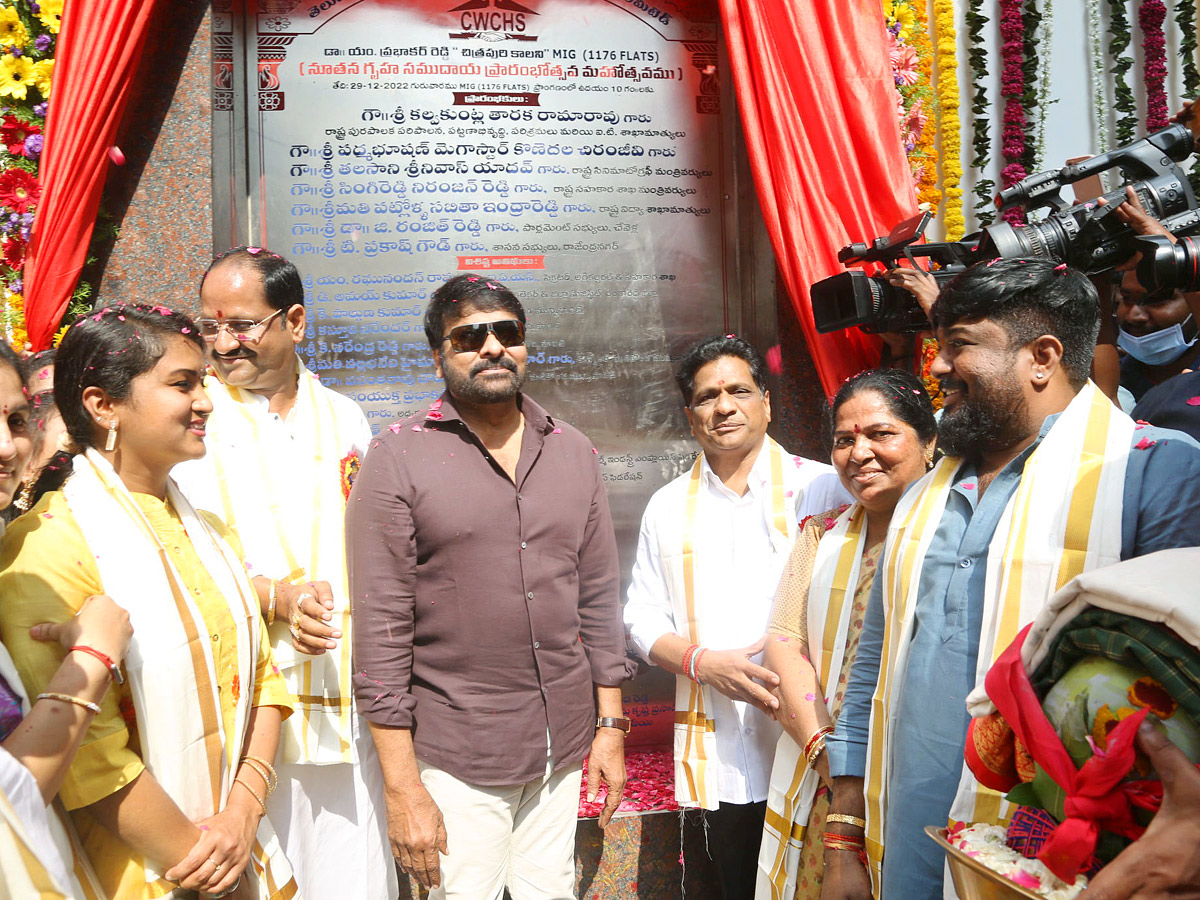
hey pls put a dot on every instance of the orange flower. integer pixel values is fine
(1146, 693)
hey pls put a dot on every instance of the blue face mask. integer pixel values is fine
(1159, 347)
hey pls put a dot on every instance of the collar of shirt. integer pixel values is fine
(757, 481)
(967, 482)
(442, 411)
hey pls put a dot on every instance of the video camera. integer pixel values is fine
(1086, 236)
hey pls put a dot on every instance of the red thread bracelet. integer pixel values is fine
(113, 669)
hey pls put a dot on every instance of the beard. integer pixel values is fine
(468, 387)
(993, 419)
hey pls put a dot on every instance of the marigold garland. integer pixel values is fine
(1151, 15)
(929, 352)
(947, 93)
(926, 152)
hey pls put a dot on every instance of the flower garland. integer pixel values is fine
(1046, 26)
(981, 140)
(1099, 95)
(1118, 30)
(1185, 20)
(28, 33)
(912, 67)
(1151, 15)
(929, 351)
(1031, 20)
(1012, 88)
(947, 91)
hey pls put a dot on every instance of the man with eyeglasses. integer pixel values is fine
(488, 649)
(282, 451)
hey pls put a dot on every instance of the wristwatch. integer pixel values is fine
(621, 722)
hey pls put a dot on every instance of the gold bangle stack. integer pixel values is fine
(262, 803)
(265, 771)
(271, 598)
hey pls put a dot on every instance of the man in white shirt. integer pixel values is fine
(712, 548)
(282, 453)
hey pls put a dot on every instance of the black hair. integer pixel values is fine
(108, 349)
(467, 291)
(282, 287)
(1028, 298)
(903, 393)
(9, 357)
(712, 349)
(33, 364)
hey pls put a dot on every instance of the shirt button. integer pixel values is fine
(530, 595)
(749, 731)
(537, 644)
(523, 545)
(216, 637)
(964, 563)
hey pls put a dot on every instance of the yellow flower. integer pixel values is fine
(12, 31)
(58, 335)
(43, 76)
(50, 12)
(16, 75)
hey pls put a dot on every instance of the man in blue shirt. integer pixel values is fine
(1016, 344)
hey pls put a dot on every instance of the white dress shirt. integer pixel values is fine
(737, 569)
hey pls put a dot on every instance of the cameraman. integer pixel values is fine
(1159, 336)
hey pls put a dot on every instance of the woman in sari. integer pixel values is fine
(883, 440)
(168, 788)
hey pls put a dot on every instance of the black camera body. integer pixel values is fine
(1086, 236)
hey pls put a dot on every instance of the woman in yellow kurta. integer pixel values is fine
(883, 437)
(167, 787)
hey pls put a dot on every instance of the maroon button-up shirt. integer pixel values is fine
(484, 610)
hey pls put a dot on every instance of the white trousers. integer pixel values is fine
(332, 823)
(521, 836)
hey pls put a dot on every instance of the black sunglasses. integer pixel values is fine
(471, 338)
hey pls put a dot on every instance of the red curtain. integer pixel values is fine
(99, 46)
(818, 102)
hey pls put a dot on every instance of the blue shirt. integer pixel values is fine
(1161, 510)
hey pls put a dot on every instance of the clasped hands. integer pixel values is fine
(220, 855)
(307, 609)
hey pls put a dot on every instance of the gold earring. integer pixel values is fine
(110, 443)
(928, 460)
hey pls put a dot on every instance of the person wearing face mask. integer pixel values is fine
(1156, 333)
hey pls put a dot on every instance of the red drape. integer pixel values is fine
(99, 46)
(818, 103)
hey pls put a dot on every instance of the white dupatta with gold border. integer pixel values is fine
(320, 731)
(793, 786)
(1063, 519)
(169, 664)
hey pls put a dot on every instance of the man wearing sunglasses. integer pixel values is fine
(489, 650)
(281, 451)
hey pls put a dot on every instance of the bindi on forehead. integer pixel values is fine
(857, 428)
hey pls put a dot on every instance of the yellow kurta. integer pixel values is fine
(46, 572)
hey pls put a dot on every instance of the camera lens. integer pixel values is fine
(1167, 266)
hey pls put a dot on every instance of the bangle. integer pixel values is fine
(846, 820)
(271, 603)
(696, 665)
(686, 664)
(855, 845)
(815, 750)
(67, 698)
(818, 735)
(265, 770)
(113, 669)
(255, 794)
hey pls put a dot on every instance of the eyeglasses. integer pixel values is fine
(241, 330)
(471, 338)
